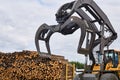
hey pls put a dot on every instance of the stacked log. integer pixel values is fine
(29, 65)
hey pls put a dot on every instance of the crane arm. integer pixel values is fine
(67, 24)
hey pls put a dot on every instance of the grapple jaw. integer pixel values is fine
(45, 31)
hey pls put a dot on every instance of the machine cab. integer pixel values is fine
(109, 56)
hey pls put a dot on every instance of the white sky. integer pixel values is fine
(19, 21)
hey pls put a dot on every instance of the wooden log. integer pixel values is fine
(27, 65)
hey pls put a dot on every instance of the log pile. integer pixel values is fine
(29, 65)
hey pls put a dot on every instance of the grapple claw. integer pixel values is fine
(43, 33)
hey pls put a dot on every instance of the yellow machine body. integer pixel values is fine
(110, 66)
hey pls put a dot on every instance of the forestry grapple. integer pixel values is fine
(93, 24)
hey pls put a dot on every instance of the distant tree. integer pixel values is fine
(78, 65)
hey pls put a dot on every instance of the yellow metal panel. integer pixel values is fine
(96, 68)
(73, 70)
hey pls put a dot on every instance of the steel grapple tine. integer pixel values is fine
(47, 41)
(43, 33)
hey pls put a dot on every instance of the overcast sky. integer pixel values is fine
(19, 20)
